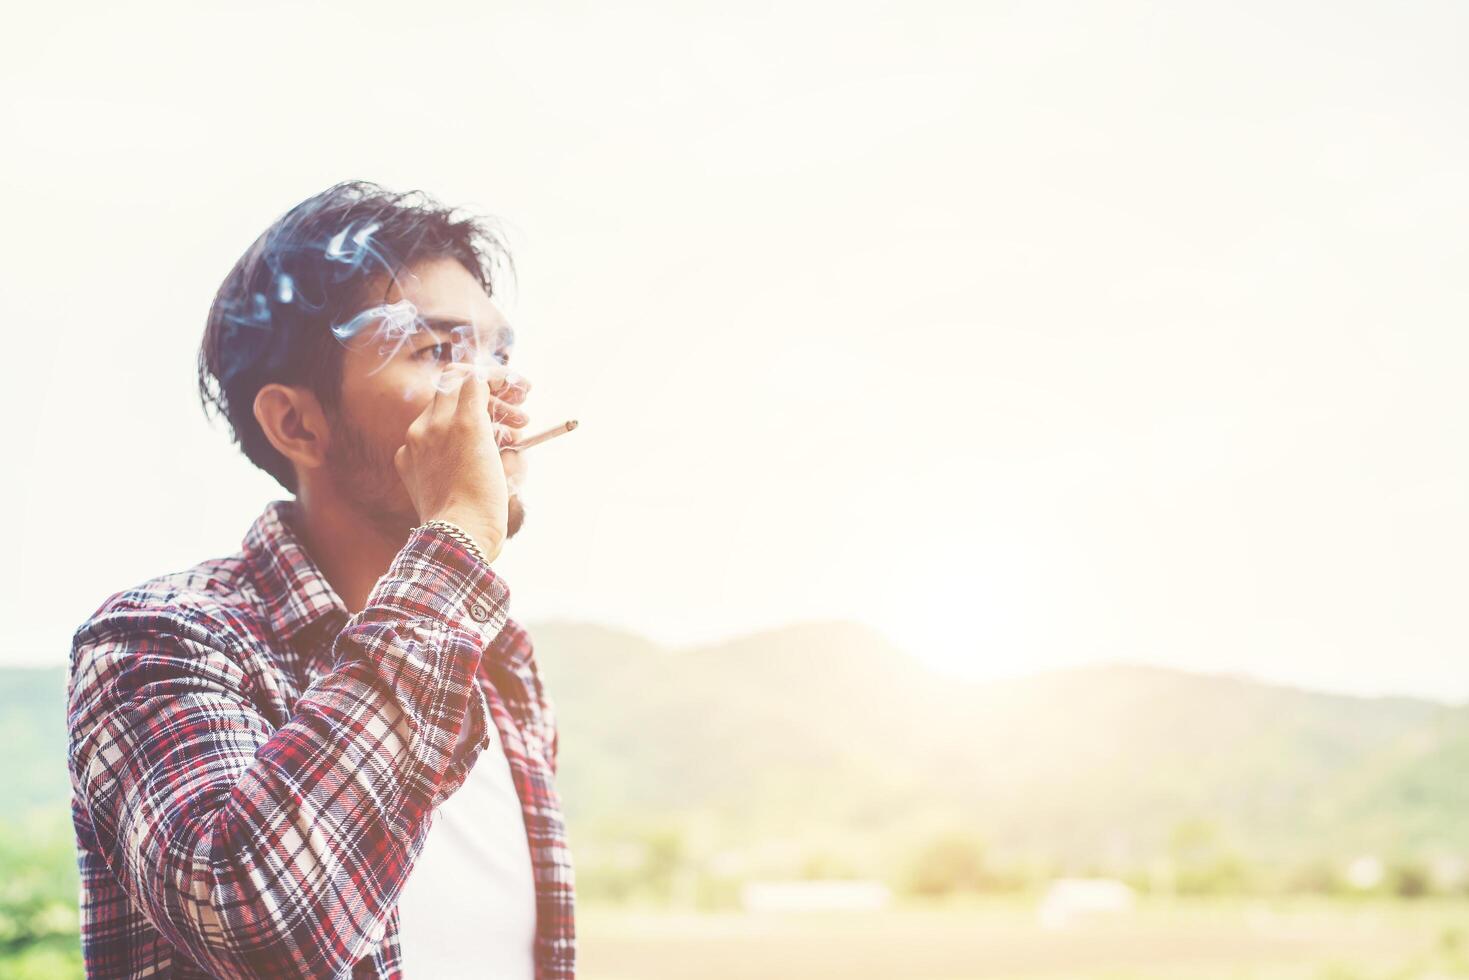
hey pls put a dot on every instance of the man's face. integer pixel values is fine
(389, 377)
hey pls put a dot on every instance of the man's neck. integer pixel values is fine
(351, 551)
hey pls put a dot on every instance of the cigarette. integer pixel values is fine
(541, 437)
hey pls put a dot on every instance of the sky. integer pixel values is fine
(1031, 335)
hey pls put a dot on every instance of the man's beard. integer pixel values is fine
(368, 480)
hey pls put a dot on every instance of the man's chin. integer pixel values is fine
(516, 516)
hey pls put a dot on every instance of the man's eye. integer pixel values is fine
(501, 356)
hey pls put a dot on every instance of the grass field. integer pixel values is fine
(1181, 940)
(1208, 940)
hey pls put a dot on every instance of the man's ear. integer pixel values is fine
(293, 421)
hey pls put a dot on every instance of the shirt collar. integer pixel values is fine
(295, 593)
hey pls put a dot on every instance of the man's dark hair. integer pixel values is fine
(272, 319)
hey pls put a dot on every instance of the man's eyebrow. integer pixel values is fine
(446, 324)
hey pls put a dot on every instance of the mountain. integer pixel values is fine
(826, 730)
(827, 725)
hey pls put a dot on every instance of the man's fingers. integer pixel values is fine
(446, 394)
(474, 395)
(500, 411)
(509, 387)
(460, 391)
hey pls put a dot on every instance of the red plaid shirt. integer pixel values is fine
(254, 771)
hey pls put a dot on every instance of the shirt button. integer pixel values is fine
(479, 612)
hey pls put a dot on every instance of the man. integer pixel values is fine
(330, 754)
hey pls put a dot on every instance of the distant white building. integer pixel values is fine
(1069, 899)
(814, 895)
(1366, 872)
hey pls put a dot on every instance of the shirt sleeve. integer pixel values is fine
(281, 851)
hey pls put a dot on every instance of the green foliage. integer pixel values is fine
(1204, 862)
(951, 862)
(38, 896)
(648, 864)
(1409, 880)
(1315, 877)
(823, 864)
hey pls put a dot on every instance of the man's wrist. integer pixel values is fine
(486, 550)
(485, 547)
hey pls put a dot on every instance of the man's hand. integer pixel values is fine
(451, 463)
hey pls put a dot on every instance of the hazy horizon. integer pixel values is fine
(935, 670)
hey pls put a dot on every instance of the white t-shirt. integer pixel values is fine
(469, 907)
